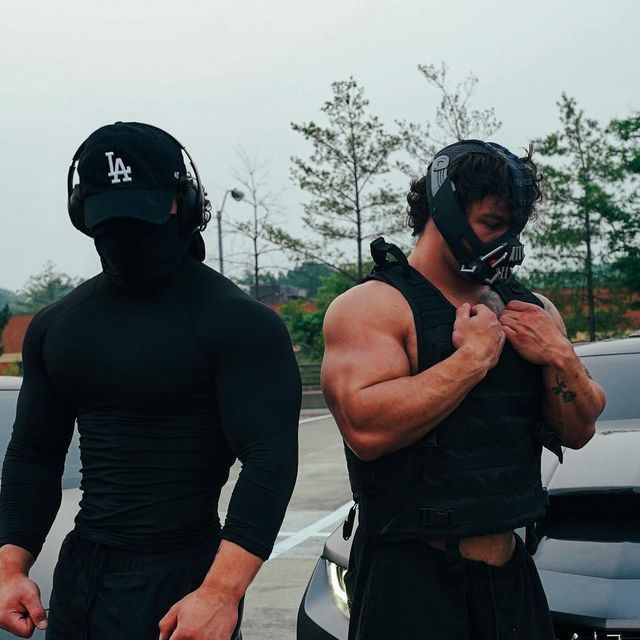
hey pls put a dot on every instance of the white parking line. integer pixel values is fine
(319, 534)
(322, 417)
(311, 531)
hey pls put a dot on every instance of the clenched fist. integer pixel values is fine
(478, 330)
(21, 610)
(534, 334)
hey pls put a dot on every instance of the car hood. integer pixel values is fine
(607, 463)
(589, 553)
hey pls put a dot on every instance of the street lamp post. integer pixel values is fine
(237, 195)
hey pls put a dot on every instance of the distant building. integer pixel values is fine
(12, 339)
(278, 294)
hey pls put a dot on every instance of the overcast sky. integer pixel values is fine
(219, 75)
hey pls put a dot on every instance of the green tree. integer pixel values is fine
(567, 290)
(6, 297)
(626, 270)
(626, 133)
(585, 213)
(44, 289)
(305, 328)
(304, 321)
(343, 175)
(454, 120)
(5, 314)
(307, 275)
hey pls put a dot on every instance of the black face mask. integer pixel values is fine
(136, 253)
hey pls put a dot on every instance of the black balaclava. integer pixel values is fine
(136, 254)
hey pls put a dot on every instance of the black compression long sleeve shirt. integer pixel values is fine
(169, 386)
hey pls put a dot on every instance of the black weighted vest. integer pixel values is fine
(478, 471)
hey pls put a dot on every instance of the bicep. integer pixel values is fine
(361, 350)
(259, 392)
(258, 384)
(44, 420)
(34, 461)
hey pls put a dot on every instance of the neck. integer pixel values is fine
(433, 259)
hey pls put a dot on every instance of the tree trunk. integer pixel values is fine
(591, 306)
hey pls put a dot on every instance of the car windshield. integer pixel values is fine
(8, 400)
(618, 376)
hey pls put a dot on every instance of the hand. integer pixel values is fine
(21, 609)
(204, 614)
(532, 332)
(477, 329)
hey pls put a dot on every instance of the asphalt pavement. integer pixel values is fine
(319, 504)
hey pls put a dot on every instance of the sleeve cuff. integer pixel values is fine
(252, 546)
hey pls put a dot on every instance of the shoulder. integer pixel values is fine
(546, 303)
(551, 309)
(58, 309)
(51, 314)
(222, 311)
(222, 297)
(371, 305)
(207, 284)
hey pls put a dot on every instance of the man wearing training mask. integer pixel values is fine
(446, 378)
(172, 373)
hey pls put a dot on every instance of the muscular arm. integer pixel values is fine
(259, 392)
(31, 491)
(572, 401)
(366, 372)
(34, 461)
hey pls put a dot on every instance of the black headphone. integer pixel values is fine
(194, 210)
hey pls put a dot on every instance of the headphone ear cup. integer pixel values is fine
(189, 213)
(75, 206)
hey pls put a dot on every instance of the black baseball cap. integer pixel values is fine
(129, 170)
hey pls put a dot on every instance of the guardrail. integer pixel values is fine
(310, 374)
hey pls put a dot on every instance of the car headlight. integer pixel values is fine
(335, 577)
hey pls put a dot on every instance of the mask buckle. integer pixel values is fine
(485, 271)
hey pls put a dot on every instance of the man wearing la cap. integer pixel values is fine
(446, 378)
(171, 373)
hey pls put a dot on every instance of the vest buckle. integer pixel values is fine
(435, 517)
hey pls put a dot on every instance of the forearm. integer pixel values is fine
(211, 611)
(393, 414)
(573, 401)
(232, 571)
(260, 498)
(29, 499)
(15, 560)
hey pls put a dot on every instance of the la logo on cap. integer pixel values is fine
(117, 170)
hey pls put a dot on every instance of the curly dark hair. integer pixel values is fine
(475, 176)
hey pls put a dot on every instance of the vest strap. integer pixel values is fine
(548, 438)
(472, 516)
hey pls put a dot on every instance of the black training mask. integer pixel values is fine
(136, 253)
(485, 262)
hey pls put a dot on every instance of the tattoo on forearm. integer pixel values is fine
(561, 390)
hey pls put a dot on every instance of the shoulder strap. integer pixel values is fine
(512, 289)
(380, 249)
(432, 317)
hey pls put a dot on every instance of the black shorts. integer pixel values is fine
(408, 590)
(101, 593)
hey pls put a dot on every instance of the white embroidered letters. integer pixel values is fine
(117, 170)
